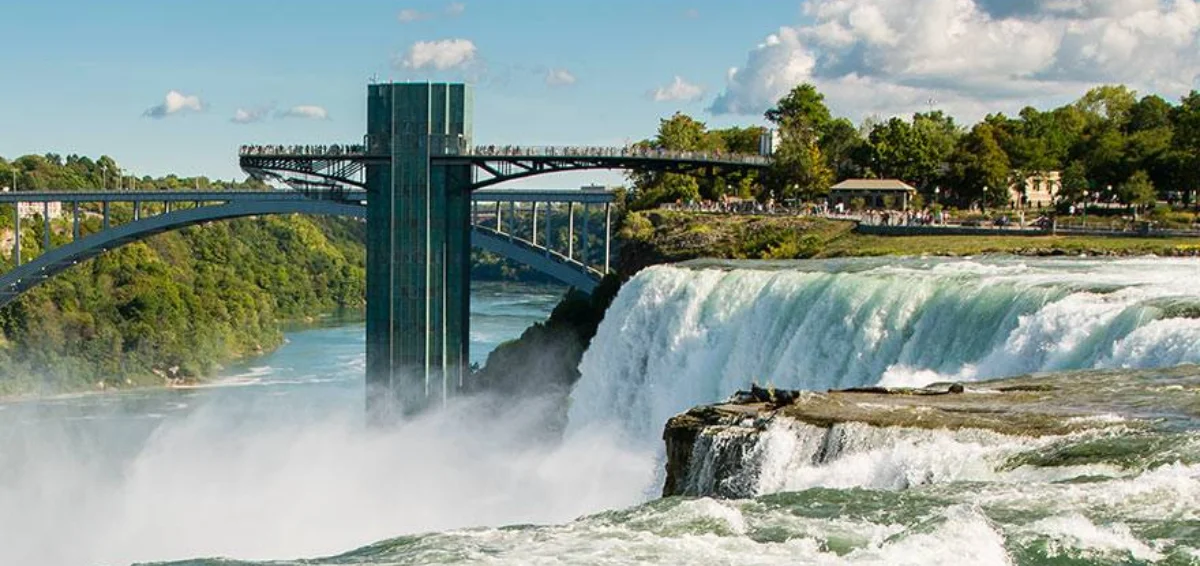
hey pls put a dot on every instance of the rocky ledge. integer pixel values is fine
(725, 435)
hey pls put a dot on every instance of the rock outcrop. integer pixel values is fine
(713, 450)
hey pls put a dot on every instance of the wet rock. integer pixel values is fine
(712, 441)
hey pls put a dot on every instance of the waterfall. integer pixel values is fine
(681, 336)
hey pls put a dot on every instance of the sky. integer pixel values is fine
(176, 86)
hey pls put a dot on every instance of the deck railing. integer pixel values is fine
(516, 151)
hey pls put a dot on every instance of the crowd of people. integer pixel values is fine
(873, 217)
(307, 150)
(627, 151)
(923, 217)
(520, 151)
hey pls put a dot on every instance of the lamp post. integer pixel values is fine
(985, 192)
(1085, 207)
(937, 193)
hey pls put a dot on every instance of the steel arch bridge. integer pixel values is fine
(419, 168)
(414, 178)
(193, 208)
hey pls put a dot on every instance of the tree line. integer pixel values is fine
(53, 172)
(1111, 144)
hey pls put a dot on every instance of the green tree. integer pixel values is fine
(800, 171)
(740, 140)
(680, 132)
(1184, 158)
(916, 152)
(978, 163)
(1150, 113)
(843, 147)
(803, 107)
(1139, 191)
(1074, 182)
(1109, 103)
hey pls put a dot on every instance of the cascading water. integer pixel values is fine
(677, 337)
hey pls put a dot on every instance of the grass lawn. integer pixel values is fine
(664, 237)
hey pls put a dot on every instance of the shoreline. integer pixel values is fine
(326, 320)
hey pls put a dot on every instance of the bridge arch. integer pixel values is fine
(21, 279)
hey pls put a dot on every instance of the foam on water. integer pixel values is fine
(1075, 534)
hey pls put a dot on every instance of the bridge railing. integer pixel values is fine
(605, 151)
(351, 150)
(302, 150)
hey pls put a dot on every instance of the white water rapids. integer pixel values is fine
(677, 337)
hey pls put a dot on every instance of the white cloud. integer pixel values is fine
(678, 90)
(305, 111)
(175, 103)
(439, 55)
(250, 116)
(559, 77)
(455, 9)
(409, 15)
(973, 56)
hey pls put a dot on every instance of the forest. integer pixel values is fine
(174, 307)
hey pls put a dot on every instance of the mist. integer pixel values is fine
(255, 484)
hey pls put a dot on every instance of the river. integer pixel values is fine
(274, 463)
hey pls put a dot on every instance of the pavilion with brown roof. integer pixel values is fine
(874, 193)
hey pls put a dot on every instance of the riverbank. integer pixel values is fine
(155, 381)
(655, 237)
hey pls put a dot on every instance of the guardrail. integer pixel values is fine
(1013, 230)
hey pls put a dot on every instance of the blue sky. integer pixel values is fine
(85, 76)
(81, 84)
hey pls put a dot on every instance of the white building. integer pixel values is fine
(1040, 190)
(768, 142)
(31, 209)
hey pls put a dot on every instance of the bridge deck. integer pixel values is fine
(503, 153)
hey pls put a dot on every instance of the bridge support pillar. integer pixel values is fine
(535, 226)
(104, 213)
(17, 236)
(137, 210)
(583, 238)
(418, 244)
(499, 224)
(607, 238)
(75, 221)
(549, 228)
(512, 219)
(46, 222)
(570, 230)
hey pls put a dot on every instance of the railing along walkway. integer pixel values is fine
(512, 151)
